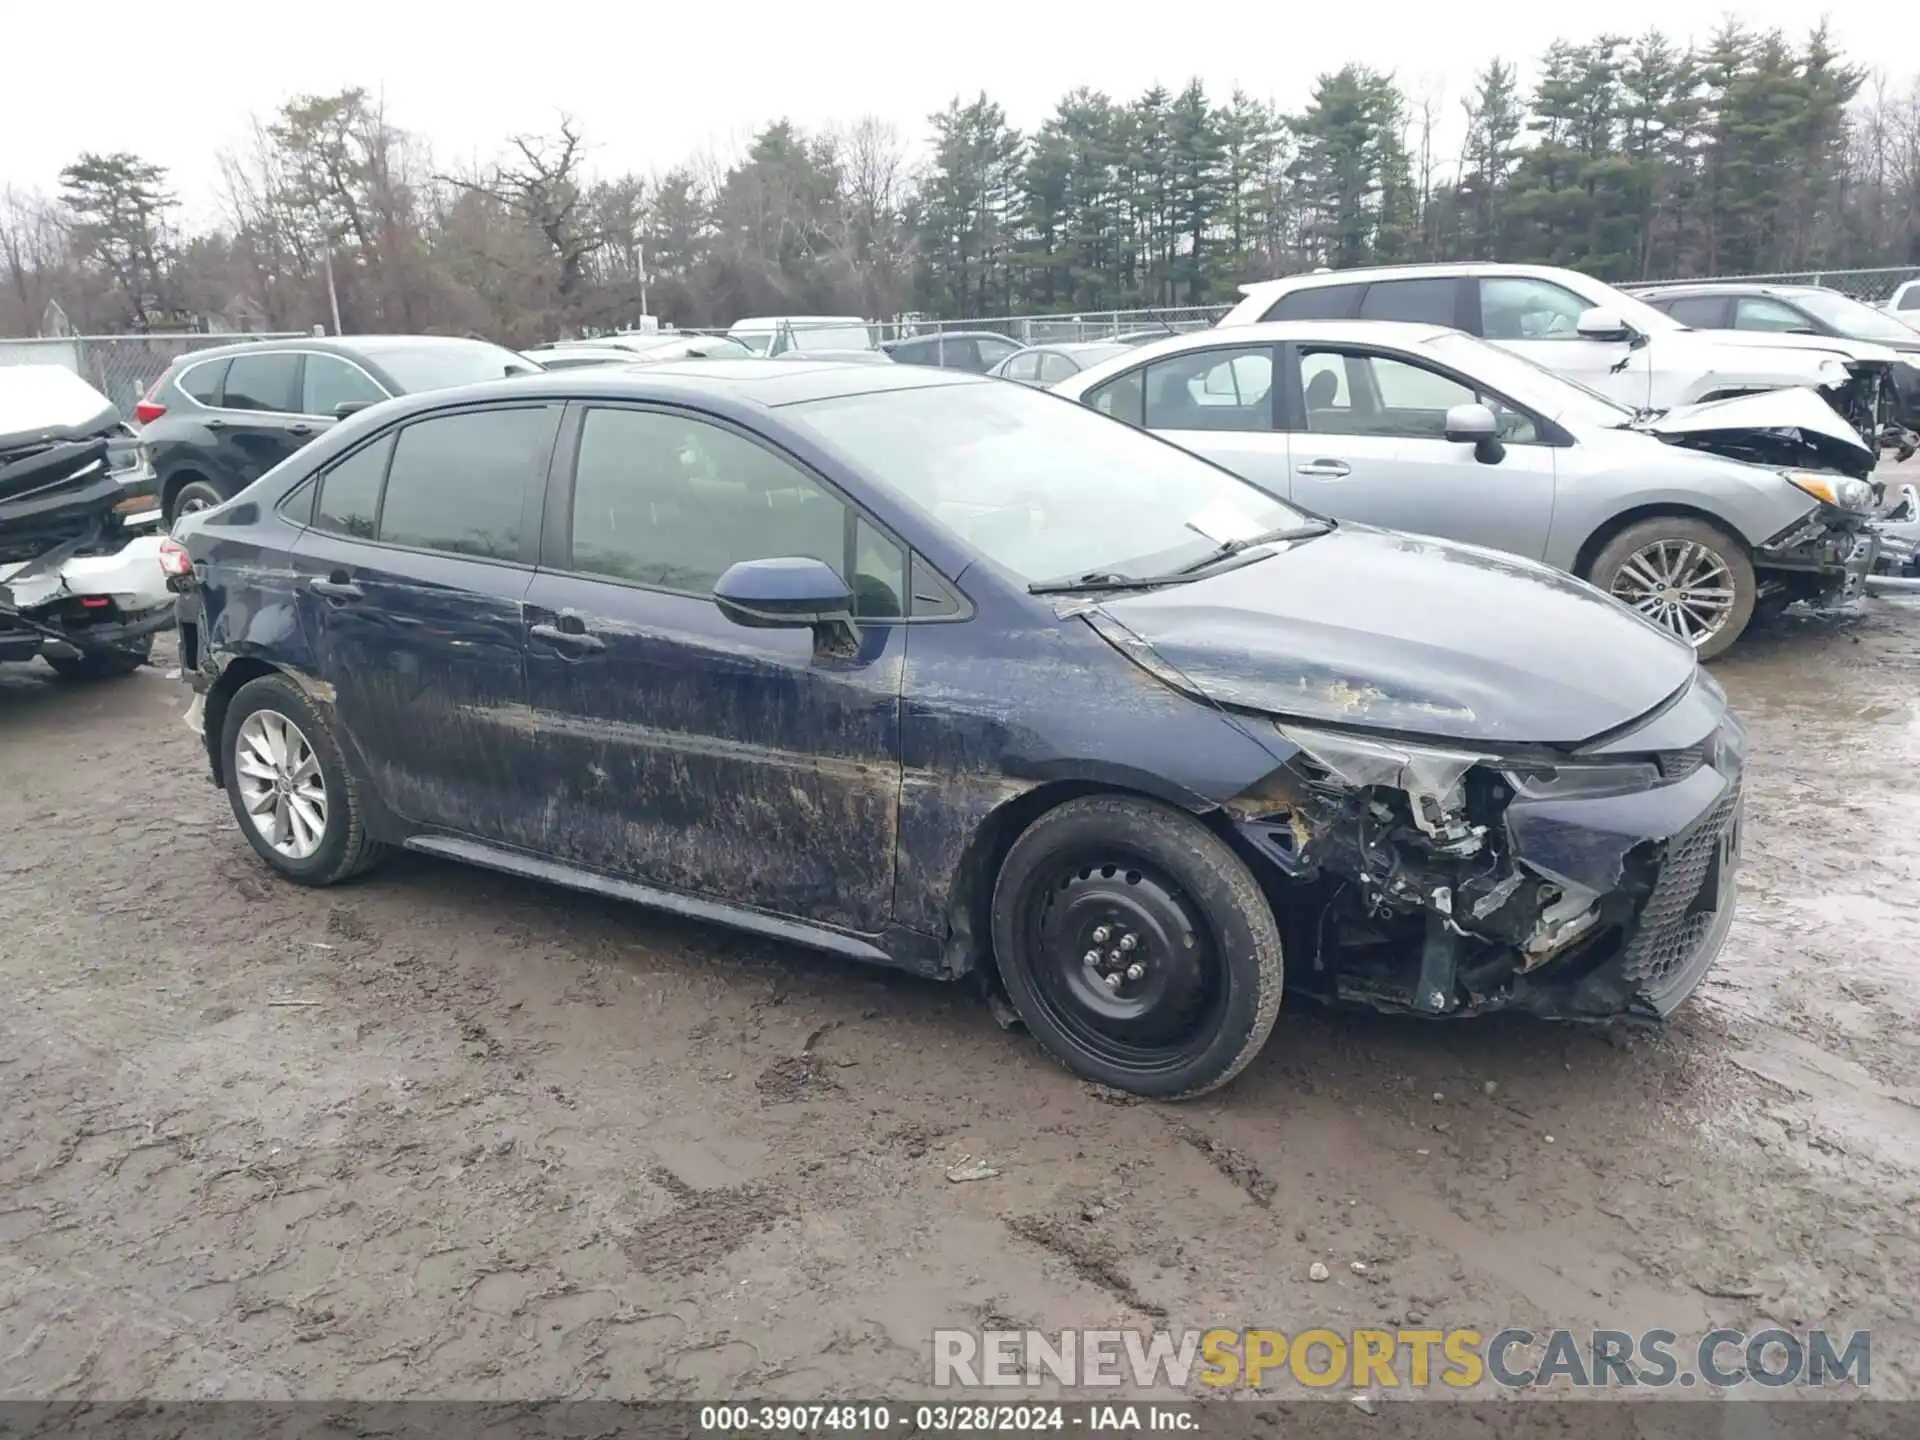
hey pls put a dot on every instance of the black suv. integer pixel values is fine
(219, 419)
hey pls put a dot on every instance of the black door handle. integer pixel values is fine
(338, 586)
(572, 639)
(301, 429)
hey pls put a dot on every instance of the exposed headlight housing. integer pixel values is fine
(1432, 776)
(1569, 782)
(1840, 490)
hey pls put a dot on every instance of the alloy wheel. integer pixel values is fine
(1680, 585)
(281, 787)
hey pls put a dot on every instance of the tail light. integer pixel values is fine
(174, 559)
(148, 409)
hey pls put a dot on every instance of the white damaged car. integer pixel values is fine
(82, 583)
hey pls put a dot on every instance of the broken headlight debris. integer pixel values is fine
(1433, 903)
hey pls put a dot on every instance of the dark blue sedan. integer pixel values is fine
(956, 676)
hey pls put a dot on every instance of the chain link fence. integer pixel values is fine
(121, 367)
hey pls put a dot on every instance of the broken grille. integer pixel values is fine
(1672, 926)
(1678, 764)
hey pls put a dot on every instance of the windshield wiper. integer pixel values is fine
(1227, 549)
(1098, 582)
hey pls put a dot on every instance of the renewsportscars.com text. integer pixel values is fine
(1401, 1359)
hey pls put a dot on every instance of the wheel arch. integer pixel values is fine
(969, 940)
(1603, 534)
(177, 479)
(239, 671)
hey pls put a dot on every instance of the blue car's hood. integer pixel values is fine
(1387, 631)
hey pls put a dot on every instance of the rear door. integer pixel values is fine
(1218, 402)
(753, 767)
(1368, 443)
(1700, 312)
(257, 422)
(1540, 320)
(412, 576)
(959, 354)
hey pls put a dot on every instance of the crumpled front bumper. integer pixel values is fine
(1470, 889)
(1828, 555)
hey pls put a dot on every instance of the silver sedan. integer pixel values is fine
(1696, 517)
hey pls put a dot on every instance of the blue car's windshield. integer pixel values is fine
(1046, 489)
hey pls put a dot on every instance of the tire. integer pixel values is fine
(343, 849)
(103, 664)
(194, 495)
(1724, 566)
(1114, 866)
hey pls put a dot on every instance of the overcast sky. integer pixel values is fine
(652, 83)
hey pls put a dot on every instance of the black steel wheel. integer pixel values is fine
(1136, 946)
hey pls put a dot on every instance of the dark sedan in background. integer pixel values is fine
(1798, 310)
(975, 351)
(936, 672)
(220, 418)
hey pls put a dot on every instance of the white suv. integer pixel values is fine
(1590, 332)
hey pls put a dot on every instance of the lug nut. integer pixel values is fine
(1112, 979)
(1136, 970)
(1127, 942)
(1100, 935)
(1092, 957)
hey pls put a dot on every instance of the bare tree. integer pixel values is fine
(870, 232)
(544, 185)
(31, 252)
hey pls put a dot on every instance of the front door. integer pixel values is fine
(1371, 446)
(1540, 320)
(410, 590)
(753, 767)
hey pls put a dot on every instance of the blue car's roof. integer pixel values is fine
(767, 383)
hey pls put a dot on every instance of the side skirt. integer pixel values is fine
(794, 932)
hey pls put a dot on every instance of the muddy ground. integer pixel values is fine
(440, 1133)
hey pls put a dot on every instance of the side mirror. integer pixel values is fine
(1602, 324)
(1470, 424)
(1476, 425)
(349, 407)
(789, 593)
